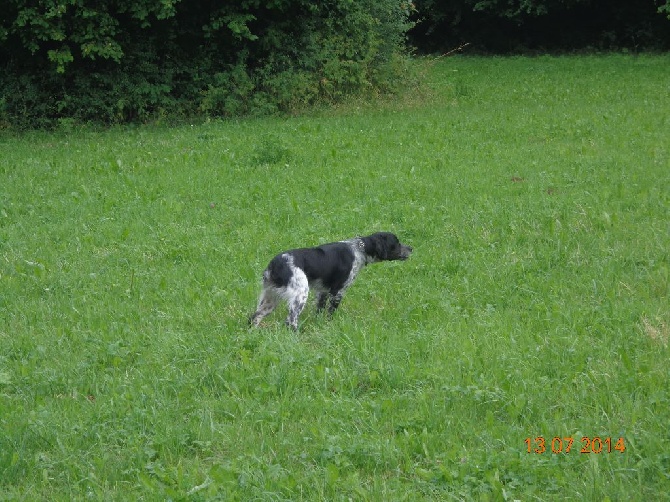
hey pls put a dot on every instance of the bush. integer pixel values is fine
(125, 61)
(503, 26)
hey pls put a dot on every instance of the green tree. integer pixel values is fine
(512, 25)
(117, 60)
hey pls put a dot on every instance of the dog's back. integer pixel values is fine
(328, 265)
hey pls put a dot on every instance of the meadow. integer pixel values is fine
(536, 195)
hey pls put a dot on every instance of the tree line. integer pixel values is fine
(118, 61)
(504, 26)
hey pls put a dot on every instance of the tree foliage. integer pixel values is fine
(120, 60)
(517, 25)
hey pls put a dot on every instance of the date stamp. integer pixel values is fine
(564, 445)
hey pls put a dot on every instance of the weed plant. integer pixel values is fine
(536, 195)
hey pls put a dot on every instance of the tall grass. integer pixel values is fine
(535, 193)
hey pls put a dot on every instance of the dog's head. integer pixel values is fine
(385, 246)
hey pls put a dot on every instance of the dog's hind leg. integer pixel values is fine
(296, 294)
(266, 304)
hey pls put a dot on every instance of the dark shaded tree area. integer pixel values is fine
(116, 61)
(504, 26)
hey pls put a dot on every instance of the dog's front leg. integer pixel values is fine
(335, 301)
(321, 301)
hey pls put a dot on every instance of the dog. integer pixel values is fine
(328, 269)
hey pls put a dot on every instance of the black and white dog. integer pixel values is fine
(328, 269)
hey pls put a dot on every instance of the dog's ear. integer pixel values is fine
(379, 246)
(370, 246)
(385, 246)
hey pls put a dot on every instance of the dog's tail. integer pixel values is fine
(279, 272)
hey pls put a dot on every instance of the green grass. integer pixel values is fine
(536, 195)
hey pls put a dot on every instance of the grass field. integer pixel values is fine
(536, 195)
